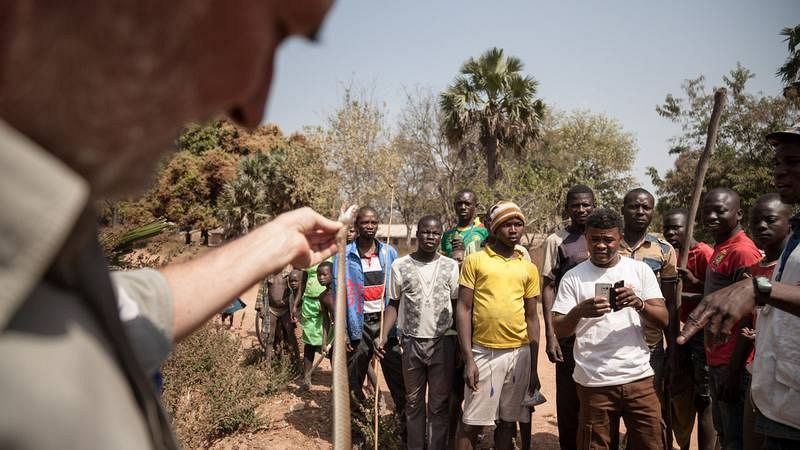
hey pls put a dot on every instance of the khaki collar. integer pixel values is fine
(646, 241)
(41, 199)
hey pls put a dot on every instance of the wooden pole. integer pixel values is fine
(387, 271)
(702, 166)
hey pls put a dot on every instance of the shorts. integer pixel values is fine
(503, 379)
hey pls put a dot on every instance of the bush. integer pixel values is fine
(212, 387)
(390, 428)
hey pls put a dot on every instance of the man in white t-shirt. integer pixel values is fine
(422, 292)
(612, 360)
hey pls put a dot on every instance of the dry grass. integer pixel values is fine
(212, 388)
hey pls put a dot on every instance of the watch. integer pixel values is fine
(763, 289)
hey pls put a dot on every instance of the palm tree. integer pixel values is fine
(492, 98)
(789, 72)
(244, 200)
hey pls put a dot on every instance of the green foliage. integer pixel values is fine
(742, 159)
(189, 186)
(578, 147)
(355, 142)
(593, 149)
(789, 72)
(119, 242)
(491, 100)
(199, 139)
(286, 175)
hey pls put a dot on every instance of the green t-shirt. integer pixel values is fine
(311, 321)
(310, 317)
(473, 237)
(313, 288)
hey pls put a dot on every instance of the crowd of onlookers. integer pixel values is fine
(461, 330)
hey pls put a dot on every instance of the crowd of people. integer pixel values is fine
(93, 96)
(461, 330)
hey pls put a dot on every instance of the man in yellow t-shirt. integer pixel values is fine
(498, 331)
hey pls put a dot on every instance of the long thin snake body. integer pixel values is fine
(341, 389)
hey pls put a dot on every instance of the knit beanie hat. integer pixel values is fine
(503, 211)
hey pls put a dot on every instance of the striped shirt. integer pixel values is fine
(373, 282)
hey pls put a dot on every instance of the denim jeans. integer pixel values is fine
(728, 417)
(777, 436)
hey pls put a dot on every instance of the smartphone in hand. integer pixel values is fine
(609, 291)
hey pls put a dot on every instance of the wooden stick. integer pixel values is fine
(387, 271)
(702, 166)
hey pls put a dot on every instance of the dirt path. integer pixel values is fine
(302, 420)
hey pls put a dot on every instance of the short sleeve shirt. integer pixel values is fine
(729, 258)
(473, 237)
(697, 264)
(657, 253)
(661, 257)
(563, 250)
(610, 350)
(500, 286)
(425, 291)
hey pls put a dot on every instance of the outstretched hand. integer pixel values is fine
(309, 237)
(720, 311)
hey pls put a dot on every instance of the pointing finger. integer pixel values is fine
(696, 321)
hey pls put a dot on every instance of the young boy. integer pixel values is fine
(277, 292)
(316, 319)
(228, 312)
(769, 224)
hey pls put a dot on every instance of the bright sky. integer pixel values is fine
(619, 58)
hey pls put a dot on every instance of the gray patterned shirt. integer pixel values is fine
(425, 291)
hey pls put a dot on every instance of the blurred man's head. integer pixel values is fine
(351, 234)
(458, 255)
(107, 87)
